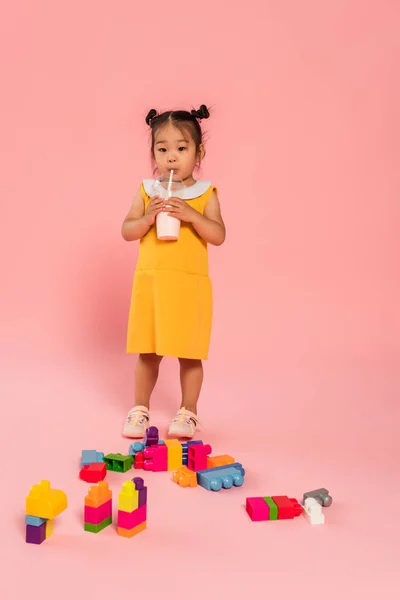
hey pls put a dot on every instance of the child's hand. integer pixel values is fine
(155, 206)
(178, 208)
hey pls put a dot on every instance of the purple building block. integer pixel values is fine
(151, 438)
(142, 489)
(34, 534)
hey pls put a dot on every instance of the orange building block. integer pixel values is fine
(44, 502)
(128, 533)
(98, 495)
(219, 461)
(185, 477)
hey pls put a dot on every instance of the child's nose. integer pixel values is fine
(171, 157)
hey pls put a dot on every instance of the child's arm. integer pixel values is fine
(137, 223)
(210, 226)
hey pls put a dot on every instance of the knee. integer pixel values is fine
(151, 359)
(190, 363)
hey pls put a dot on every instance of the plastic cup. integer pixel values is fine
(168, 227)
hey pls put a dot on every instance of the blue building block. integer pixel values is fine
(34, 521)
(135, 447)
(221, 477)
(91, 456)
(185, 450)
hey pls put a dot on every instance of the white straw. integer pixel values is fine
(171, 174)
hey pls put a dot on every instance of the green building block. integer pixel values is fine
(99, 527)
(273, 509)
(118, 462)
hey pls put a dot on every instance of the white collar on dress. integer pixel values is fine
(191, 192)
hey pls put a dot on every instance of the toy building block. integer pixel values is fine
(312, 511)
(97, 528)
(94, 516)
(129, 520)
(128, 498)
(321, 495)
(185, 446)
(174, 454)
(197, 456)
(221, 477)
(44, 502)
(91, 456)
(219, 461)
(257, 509)
(94, 472)
(35, 521)
(118, 462)
(288, 508)
(98, 494)
(273, 509)
(156, 458)
(185, 477)
(151, 436)
(49, 528)
(129, 533)
(34, 534)
(135, 448)
(139, 460)
(141, 489)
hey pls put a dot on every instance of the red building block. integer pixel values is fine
(197, 456)
(93, 473)
(257, 509)
(156, 458)
(288, 508)
(139, 460)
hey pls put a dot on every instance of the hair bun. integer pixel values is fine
(202, 113)
(150, 116)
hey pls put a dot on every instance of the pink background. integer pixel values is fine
(302, 385)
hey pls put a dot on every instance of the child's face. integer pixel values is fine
(175, 149)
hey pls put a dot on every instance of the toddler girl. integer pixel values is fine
(171, 305)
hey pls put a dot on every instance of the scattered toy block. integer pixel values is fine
(174, 454)
(156, 458)
(151, 436)
(185, 477)
(35, 534)
(128, 498)
(118, 462)
(197, 456)
(94, 472)
(35, 521)
(129, 520)
(141, 489)
(312, 511)
(288, 508)
(273, 509)
(44, 502)
(321, 495)
(221, 477)
(257, 509)
(139, 461)
(98, 494)
(49, 528)
(219, 461)
(94, 516)
(135, 448)
(129, 533)
(91, 456)
(99, 527)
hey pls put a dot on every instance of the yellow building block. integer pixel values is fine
(128, 498)
(98, 494)
(49, 528)
(219, 461)
(174, 454)
(44, 502)
(185, 477)
(128, 533)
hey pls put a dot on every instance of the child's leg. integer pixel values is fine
(146, 375)
(191, 382)
(185, 422)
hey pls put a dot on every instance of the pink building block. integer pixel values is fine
(257, 509)
(156, 458)
(129, 520)
(94, 516)
(197, 456)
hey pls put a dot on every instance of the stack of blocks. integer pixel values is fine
(93, 466)
(132, 508)
(98, 508)
(272, 508)
(43, 505)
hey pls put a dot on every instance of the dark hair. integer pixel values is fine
(182, 119)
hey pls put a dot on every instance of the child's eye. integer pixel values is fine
(162, 149)
(182, 148)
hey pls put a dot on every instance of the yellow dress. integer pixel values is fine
(171, 304)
